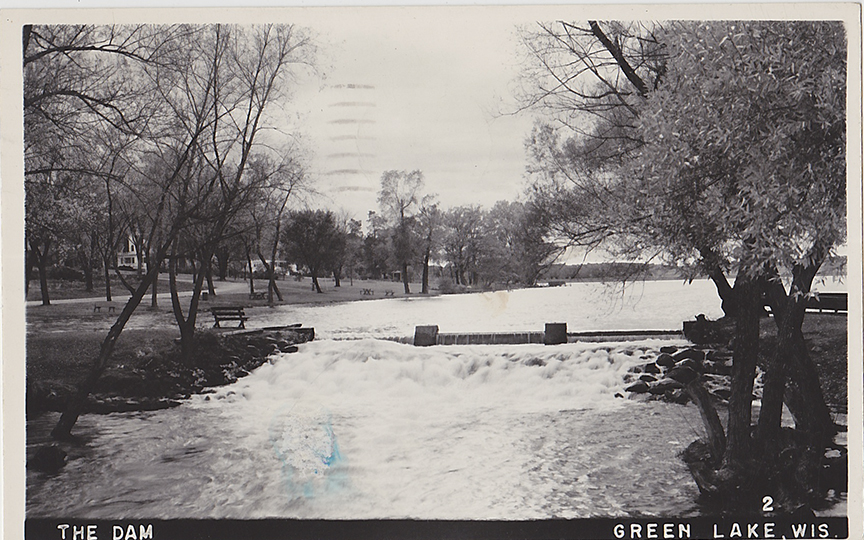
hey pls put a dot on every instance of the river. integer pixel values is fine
(352, 427)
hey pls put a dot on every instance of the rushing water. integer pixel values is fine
(369, 429)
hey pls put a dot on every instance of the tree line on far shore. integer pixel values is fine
(411, 238)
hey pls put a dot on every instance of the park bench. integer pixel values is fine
(229, 314)
(389, 293)
(257, 296)
(367, 292)
(835, 302)
(98, 308)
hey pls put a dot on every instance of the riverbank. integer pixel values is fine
(62, 340)
(150, 374)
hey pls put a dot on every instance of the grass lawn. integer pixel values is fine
(63, 290)
(294, 292)
(64, 358)
(302, 292)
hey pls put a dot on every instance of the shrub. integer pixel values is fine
(446, 286)
(65, 273)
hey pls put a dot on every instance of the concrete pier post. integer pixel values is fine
(425, 336)
(556, 334)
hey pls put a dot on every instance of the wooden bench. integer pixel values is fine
(229, 314)
(835, 302)
(257, 296)
(367, 292)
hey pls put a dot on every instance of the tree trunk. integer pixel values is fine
(792, 377)
(336, 273)
(272, 288)
(744, 358)
(222, 258)
(812, 417)
(210, 288)
(187, 338)
(187, 323)
(28, 270)
(405, 277)
(729, 302)
(140, 256)
(154, 292)
(713, 427)
(425, 282)
(788, 317)
(275, 290)
(77, 402)
(315, 282)
(251, 273)
(105, 266)
(87, 268)
(42, 265)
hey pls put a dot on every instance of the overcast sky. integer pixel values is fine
(405, 89)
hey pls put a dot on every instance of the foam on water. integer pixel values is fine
(374, 429)
(374, 375)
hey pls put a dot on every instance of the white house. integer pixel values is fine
(128, 255)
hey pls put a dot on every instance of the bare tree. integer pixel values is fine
(241, 71)
(188, 170)
(280, 181)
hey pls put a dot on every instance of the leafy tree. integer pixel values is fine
(376, 248)
(79, 83)
(733, 158)
(349, 247)
(313, 239)
(352, 229)
(279, 182)
(429, 224)
(462, 241)
(50, 210)
(237, 72)
(398, 198)
(752, 129)
(516, 244)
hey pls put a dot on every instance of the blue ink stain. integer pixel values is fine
(303, 444)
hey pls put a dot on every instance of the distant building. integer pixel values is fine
(127, 256)
(281, 268)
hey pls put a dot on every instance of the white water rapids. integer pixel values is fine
(371, 429)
